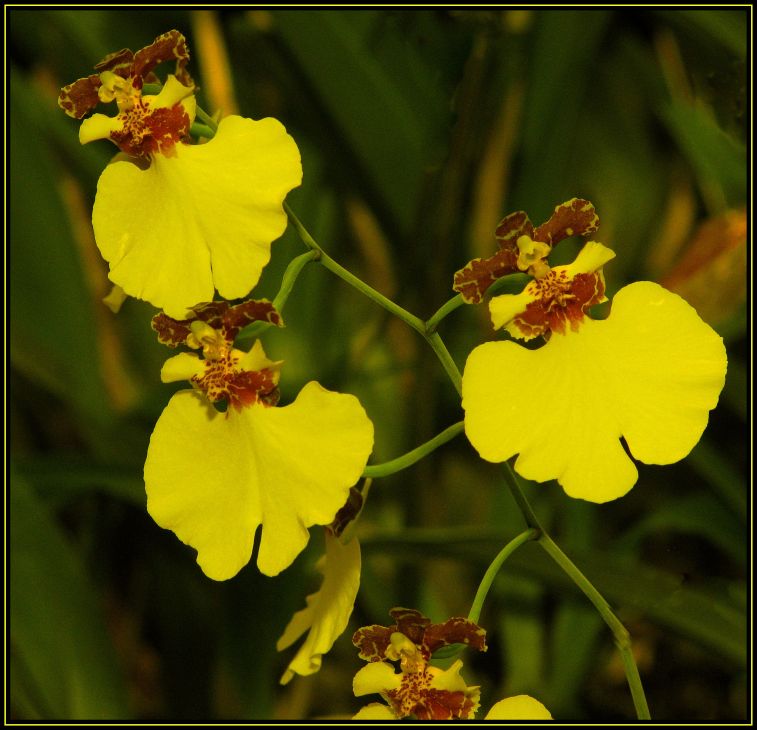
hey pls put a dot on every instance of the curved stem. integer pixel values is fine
(620, 633)
(449, 306)
(296, 265)
(491, 572)
(411, 457)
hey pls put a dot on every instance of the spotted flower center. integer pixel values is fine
(223, 377)
(559, 302)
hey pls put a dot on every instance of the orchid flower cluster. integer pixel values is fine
(185, 215)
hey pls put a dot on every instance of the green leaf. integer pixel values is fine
(61, 478)
(61, 655)
(573, 652)
(53, 330)
(726, 28)
(564, 52)
(369, 84)
(718, 160)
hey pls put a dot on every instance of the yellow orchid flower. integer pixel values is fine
(213, 478)
(176, 220)
(649, 373)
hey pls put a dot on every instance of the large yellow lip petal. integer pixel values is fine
(200, 219)
(651, 373)
(213, 478)
(327, 612)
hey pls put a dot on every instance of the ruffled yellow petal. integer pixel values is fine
(98, 126)
(651, 372)
(181, 367)
(173, 92)
(521, 707)
(591, 257)
(201, 219)
(450, 679)
(375, 711)
(213, 478)
(375, 678)
(327, 612)
(503, 308)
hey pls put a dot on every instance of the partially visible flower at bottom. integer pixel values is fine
(520, 707)
(328, 610)
(418, 690)
(429, 693)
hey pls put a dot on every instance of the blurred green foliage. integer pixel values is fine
(419, 130)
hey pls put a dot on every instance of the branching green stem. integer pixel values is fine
(411, 457)
(351, 279)
(296, 265)
(620, 633)
(534, 531)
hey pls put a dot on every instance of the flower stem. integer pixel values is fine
(520, 499)
(411, 457)
(491, 572)
(296, 265)
(622, 637)
(438, 346)
(449, 306)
